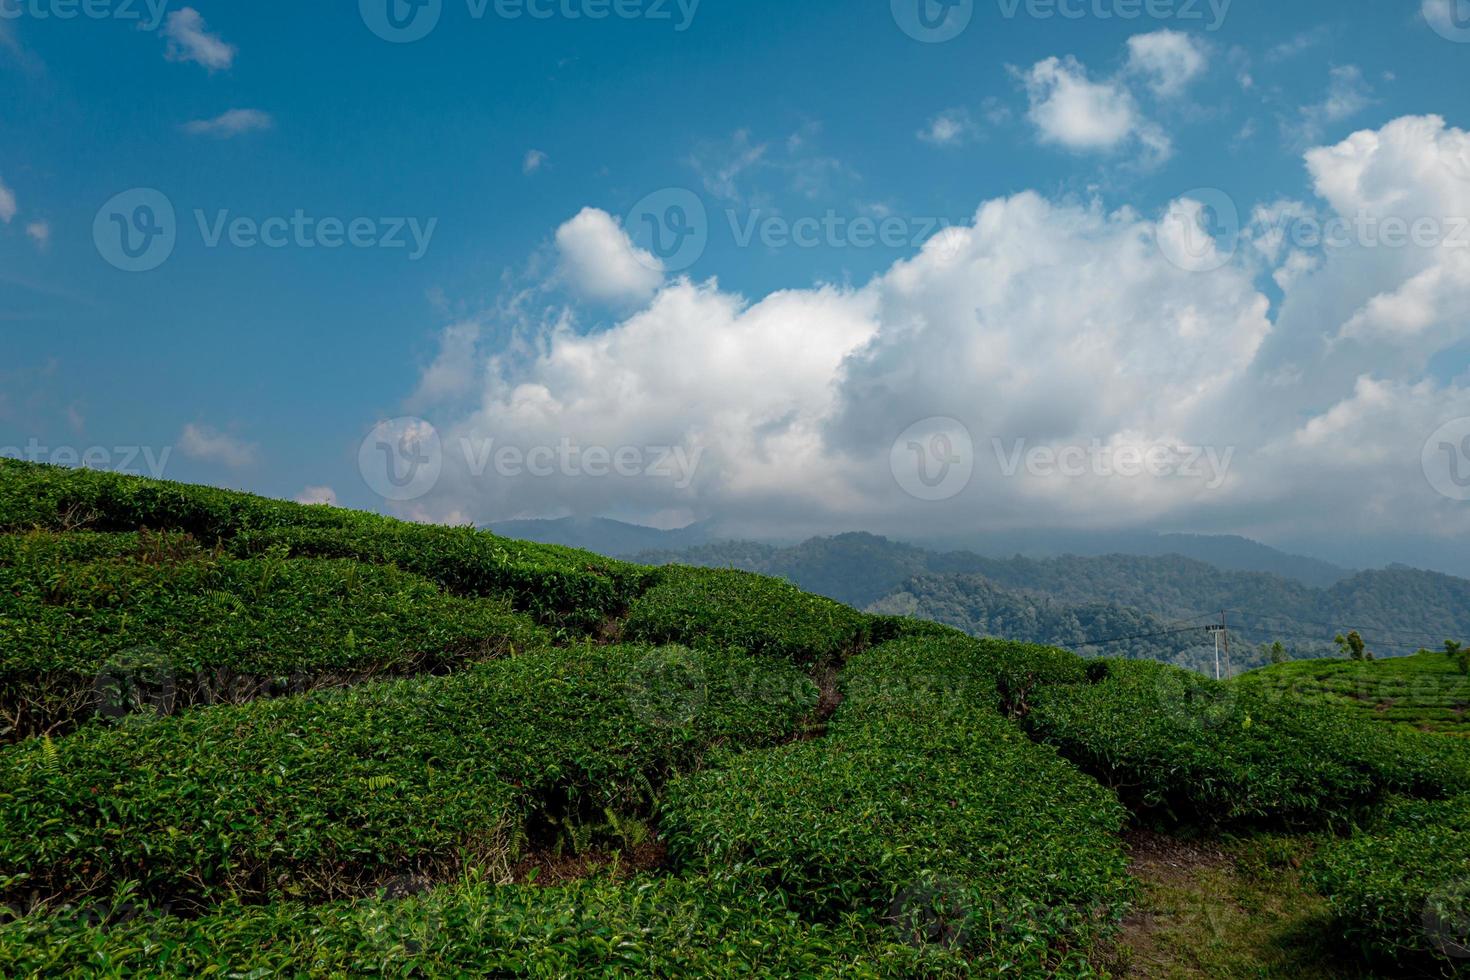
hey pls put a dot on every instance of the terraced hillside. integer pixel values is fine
(250, 738)
(1429, 691)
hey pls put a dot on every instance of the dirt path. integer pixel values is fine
(1224, 909)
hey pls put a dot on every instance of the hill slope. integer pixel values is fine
(323, 742)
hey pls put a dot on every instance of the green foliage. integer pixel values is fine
(924, 805)
(1179, 746)
(1352, 646)
(1427, 692)
(704, 927)
(1401, 888)
(558, 585)
(723, 608)
(326, 794)
(109, 624)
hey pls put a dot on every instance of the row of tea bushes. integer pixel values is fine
(558, 585)
(923, 805)
(108, 624)
(710, 927)
(328, 794)
(1400, 888)
(725, 608)
(1182, 747)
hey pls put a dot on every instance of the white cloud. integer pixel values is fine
(317, 495)
(1170, 60)
(190, 40)
(1070, 110)
(1061, 323)
(1348, 94)
(208, 445)
(950, 128)
(234, 122)
(533, 161)
(8, 206)
(40, 233)
(601, 262)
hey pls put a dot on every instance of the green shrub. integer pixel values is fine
(1400, 890)
(714, 607)
(559, 585)
(154, 627)
(643, 927)
(329, 793)
(922, 805)
(1181, 747)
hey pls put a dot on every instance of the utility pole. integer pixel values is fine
(1220, 632)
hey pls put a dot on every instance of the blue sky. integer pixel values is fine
(265, 367)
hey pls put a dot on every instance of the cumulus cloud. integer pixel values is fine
(533, 161)
(8, 205)
(40, 233)
(1170, 60)
(1071, 110)
(601, 262)
(211, 446)
(1040, 324)
(189, 39)
(317, 495)
(234, 122)
(950, 128)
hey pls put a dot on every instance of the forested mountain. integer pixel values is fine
(1398, 610)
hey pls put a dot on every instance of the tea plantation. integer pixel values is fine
(247, 738)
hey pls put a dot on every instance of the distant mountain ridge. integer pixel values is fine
(1398, 610)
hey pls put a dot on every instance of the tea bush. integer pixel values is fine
(713, 607)
(325, 794)
(1400, 889)
(708, 927)
(923, 804)
(556, 584)
(1182, 747)
(161, 633)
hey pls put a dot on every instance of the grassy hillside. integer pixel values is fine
(258, 739)
(1429, 691)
